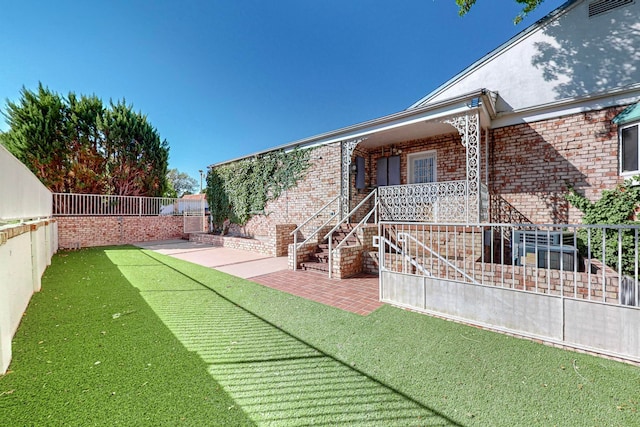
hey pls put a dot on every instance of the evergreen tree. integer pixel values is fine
(38, 136)
(136, 157)
(76, 145)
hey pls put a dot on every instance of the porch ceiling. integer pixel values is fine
(426, 123)
(420, 130)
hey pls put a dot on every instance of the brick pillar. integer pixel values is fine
(283, 238)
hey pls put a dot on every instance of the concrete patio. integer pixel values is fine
(358, 294)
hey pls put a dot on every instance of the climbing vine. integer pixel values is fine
(616, 206)
(239, 190)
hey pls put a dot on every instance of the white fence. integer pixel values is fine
(28, 240)
(65, 204)
(575, 285)
(22, 196)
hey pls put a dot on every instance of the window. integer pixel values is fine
(421, 167)
(629, 153)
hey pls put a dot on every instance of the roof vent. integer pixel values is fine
(603, 6)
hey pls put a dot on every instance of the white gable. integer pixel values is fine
(566, 57)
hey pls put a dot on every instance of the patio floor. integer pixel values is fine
(358, 294)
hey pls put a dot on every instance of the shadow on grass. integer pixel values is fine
(91, 351)
(276, 378)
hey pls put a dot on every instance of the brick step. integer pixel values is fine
(314, 266)
(318, 261)
(321, 257)
(351, 240)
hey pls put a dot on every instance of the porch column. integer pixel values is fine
(468, 127)
(345, 182)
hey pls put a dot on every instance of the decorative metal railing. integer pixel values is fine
(485, 204)
(448, 201)
(65, 204)
(589, 262)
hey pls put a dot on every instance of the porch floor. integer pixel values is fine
(357, 294)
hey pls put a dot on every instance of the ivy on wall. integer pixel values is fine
(239, 190)
(616, 206)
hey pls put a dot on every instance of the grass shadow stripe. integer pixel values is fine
(288, 376)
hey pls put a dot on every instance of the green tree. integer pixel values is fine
(136, 157)
(179, 183)
(528, 6)
(75, 144)
(37, 135)
(86, 169)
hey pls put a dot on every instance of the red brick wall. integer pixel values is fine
(88, 231)
(451, 158)
(530, 167)
(532, 164)
(555, 282)
(240, 243)
(318, 187)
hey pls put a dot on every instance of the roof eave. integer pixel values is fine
(349, 131)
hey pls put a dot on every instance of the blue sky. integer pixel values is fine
(222, 79)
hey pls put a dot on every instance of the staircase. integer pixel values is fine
(319, 260)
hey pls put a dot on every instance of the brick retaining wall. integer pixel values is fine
(231, 242)
(275, 244)
(89, 231)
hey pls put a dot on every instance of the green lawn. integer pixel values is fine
(125, 336)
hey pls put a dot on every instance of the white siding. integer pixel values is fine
(569, 57)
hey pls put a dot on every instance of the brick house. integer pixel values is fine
(499, 142)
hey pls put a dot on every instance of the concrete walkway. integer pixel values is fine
(358, 294)
(238, 263)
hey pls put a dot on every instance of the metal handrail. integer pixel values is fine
(329, 235)
(399, 250)
(343, 220)
(403, 236)
(362, 221)
(314, 215)
(316, 232)
(72, 204)
(298, 228)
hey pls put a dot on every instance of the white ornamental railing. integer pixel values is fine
(590, 262)
(22, 195)
(432, 202)
(65, 204)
